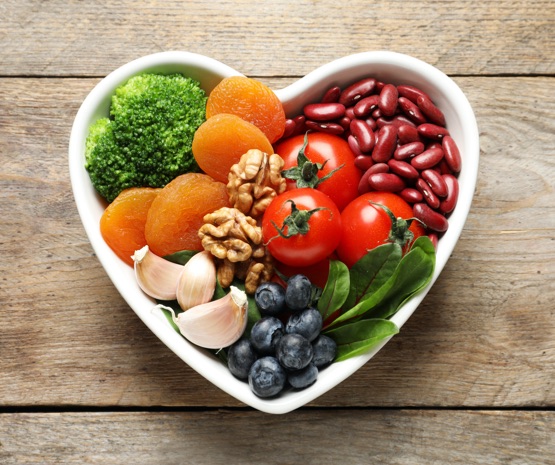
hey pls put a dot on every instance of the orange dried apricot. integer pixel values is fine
(252, 101)
(220, 142)
(122, 224)
(176, 214)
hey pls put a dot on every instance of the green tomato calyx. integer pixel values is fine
(297, 222)
(399, 232)
(305, 174)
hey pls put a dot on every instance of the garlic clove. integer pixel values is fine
(155, 275)
(198, 281)
(215, 324)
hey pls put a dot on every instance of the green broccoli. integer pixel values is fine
(147, 139)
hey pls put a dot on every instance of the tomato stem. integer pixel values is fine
(297, 222)
(305, 174)
(399, 232)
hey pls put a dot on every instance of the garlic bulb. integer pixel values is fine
(197, 282)
(155, 275)
(215, 324)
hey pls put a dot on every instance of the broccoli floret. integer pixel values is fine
(147, 139)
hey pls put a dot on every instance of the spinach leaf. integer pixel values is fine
(372, 271)
(336, 290)
(371, 278)
(182, 257)
(359, 337)
(413, 274)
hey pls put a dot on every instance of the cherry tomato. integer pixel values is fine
(342, 185)
(317, 273)
(301, 227)
(365, 226)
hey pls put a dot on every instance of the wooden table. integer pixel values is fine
(471, 377)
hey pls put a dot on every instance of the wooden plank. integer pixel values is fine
(484, 336)
(395, 437)
(73, 38)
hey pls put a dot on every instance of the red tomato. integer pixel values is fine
(366, 226)
(317, 273)
(342, 186)
(312, 246)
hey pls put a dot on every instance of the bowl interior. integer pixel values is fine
(387, 66)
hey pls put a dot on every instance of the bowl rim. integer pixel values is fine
(88, 201)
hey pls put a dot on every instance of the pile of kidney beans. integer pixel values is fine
(400, 141)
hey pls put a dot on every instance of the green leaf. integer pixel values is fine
(361, 336)
(413, 274)
(336, 289)
(182, 257)
(372, 271)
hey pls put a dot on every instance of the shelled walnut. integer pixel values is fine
(254, 181)
(235, 240)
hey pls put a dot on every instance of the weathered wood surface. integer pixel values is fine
(393, 437)
(474, 365)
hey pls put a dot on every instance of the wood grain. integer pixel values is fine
(484, 336)
(395, 437)
(75, 38)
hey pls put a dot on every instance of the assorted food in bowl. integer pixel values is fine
(280, 238)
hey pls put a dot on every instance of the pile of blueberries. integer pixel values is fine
(283, 350)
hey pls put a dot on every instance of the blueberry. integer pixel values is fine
(301, 379)
(294, 351)
(270, 298)
(240, 357)
(325, 350)
(298, 294)
(266, 333)
(307, 323)
(267, 377)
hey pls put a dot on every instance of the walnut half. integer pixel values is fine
(255, 181)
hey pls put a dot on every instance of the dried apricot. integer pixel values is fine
(252, 101)
(176, 214)
(122, 224)
(220, 142)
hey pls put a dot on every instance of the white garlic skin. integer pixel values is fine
(216, 324)
(197, 282)
(155, 275)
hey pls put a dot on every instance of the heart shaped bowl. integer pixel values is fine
(386, 66)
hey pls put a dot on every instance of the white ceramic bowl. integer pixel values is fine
(386, 66)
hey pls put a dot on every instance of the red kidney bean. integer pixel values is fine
(363, 135)
(372, 123)
(331, 95)
(431, 199)
(344, 122)
(433, 113)
(379, 168)
(355, 148)
(427, 159)
(385, 144)
(411, 92)
(452, 154)
(377, 113)
(408, 134)
(324, 111)
(387, 182)
(408, 150)
(363, 162)
(411, 195)
(403, 169)
(363, 185)
(350, 112)
(435, 181)
(366, 106)
(300, 121)
(388, 100)
(432, 131)
(357, 91)
(432, 219)
(448, 204)
(289, 128)
(329, 128)
(410, 109)
(398, 120)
